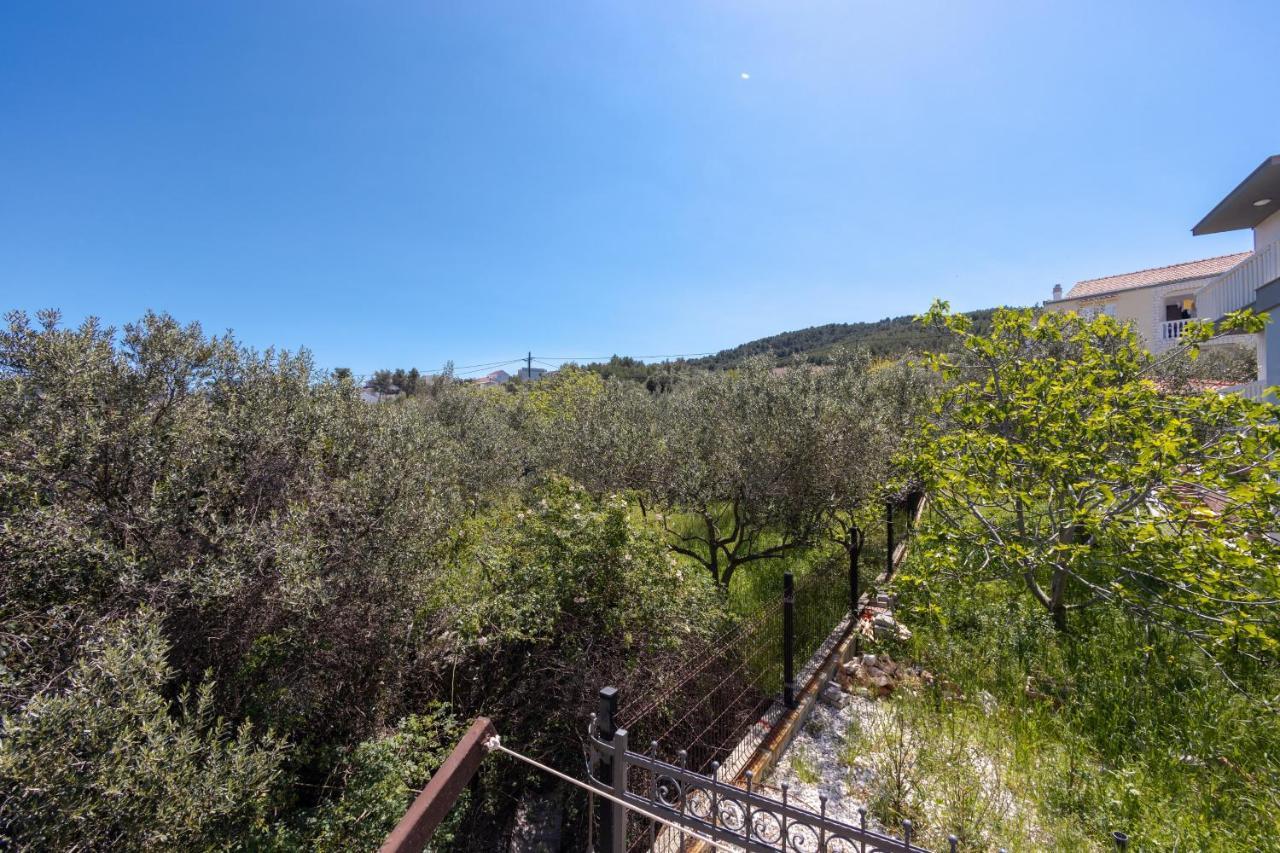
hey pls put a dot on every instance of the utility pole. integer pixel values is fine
(528, 373)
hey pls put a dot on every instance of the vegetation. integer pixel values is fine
(242, 608)
(1057, 463)
(228, 577)
(1102, 626)
(890, 338)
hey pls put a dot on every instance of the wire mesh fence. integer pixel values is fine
(697, 707)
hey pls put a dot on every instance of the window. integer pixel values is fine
(1091, 311)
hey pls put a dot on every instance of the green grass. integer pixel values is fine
(1112, 727)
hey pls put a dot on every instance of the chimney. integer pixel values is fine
(1057, 291)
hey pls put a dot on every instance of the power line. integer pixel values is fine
(488, 367)
(606, 357)
(480, 367)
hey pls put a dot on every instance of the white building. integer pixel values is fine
(1159, 302)
(1255, 281)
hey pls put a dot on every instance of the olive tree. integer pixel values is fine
(867, 415)
(738, 465)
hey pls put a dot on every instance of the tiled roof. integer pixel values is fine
(1158, 275)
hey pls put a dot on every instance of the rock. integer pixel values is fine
(987, 701)
(885, 625)
(833, 696)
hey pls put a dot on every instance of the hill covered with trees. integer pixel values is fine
(888, 338)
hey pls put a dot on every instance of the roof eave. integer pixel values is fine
(1230, 215)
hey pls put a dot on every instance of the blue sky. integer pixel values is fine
(401, 183)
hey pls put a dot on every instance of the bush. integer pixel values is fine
(376, 783)
(109, 763)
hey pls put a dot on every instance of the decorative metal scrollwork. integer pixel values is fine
(841, 844)
(732, 814)
(766, 827)
(668, 791)
(802, 838)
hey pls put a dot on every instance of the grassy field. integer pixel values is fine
(1113, 726)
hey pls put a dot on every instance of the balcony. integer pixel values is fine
(1171, 330)
(1236, 288)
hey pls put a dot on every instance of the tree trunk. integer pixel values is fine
(1058, 600)
(713, 550)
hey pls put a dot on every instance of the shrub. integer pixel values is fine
(107, 762)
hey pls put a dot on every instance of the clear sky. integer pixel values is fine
(401, 183)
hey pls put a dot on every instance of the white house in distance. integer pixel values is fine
(496, 378)
(1158, 302)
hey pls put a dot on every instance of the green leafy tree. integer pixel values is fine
(1055, 461)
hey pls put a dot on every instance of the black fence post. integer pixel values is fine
(888, 539)
(855, 597)
(855, 591)
(789, 640)
(606, 726)
(618, 820)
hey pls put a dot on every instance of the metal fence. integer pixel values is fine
(711, 696)
(724, 813)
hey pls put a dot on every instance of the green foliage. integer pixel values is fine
(563, 594)
(894, 337)
(1232, 363)
(107, 762)
(375, 782)
(1117, 725)
(1056, 463)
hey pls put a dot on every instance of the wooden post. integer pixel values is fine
(432, 805)
(789, 640)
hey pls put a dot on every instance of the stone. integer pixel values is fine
(833, 696)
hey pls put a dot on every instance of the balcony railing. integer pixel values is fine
(1171, 330)
(1237, 287)
(1252, 390)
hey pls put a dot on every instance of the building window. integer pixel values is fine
(1090, 311)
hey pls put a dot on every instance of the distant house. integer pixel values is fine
(497, 377)
(531, 374)
(370, 394)
(1159, 302)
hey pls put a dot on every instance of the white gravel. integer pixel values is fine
(820, 746)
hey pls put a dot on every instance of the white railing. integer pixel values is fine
(1251, 390)
(1236, 288)
(1171, 330)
